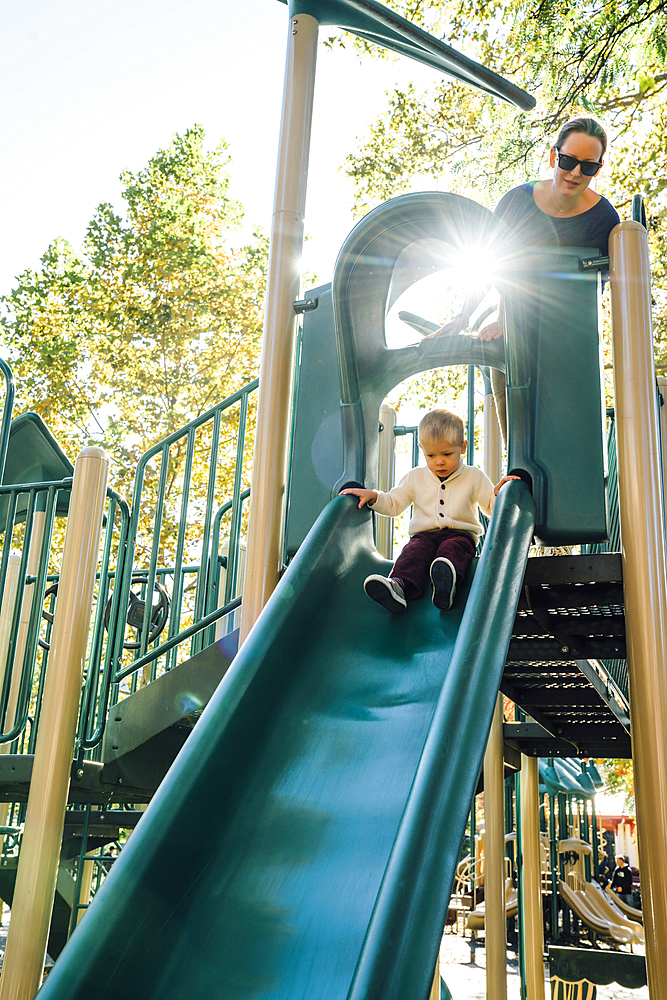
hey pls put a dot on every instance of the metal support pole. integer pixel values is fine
(662, 389)
(531, 879)
(384, 526)
(6, 618)
(644, 576)
(269, 467)
(12, 584)
(495, 925)
(553, 864)
(470, 454)
(40, 849)
(492, 439)
(596, 843)
(519, 878)
(7, 611)
(35, 543)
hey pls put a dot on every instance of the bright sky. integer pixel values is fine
(89, 88)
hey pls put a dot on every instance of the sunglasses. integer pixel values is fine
(589, 168)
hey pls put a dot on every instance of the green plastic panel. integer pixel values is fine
(555, 402)
(342, 745)
(33, 456)
(599, 967)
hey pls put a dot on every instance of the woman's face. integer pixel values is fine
(572, 183)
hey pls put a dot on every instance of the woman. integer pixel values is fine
(562, 211)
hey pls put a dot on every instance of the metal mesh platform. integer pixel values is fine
(566, 660)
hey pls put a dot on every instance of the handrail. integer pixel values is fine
(174, 640)
(97, 689)
(19, 672)
(208, 540)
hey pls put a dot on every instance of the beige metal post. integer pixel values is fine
(7, 611)
(86, 885)
(644, 577)
(24, 621)
(435, 988)
(492, 439)
(384, 526)
(32, 567)
(40, 848)
(662, 389)
(6, 616)
(269, 468)
(531, 879)
(495, 927)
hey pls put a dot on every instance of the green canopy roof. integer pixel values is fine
(376, 23)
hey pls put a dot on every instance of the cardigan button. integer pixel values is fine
(442, 486)
(442, 501)
(441, 514)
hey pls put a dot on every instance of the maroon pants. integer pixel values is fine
(414, 563)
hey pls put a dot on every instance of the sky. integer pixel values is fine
(88, 89)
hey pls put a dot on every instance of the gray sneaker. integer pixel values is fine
(443, 581)
(386, 592)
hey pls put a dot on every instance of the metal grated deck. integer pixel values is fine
(566, 661)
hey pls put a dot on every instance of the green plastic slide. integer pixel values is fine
(303, 844)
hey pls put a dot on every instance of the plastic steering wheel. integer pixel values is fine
(135, 612)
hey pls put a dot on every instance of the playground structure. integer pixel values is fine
(574, 903)
(328, 782)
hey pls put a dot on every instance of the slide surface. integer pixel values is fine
(339, 752)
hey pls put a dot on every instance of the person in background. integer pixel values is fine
(621, 881)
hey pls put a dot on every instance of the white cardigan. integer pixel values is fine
(448, 503)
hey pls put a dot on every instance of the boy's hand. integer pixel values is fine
(502, 482)
(365, 496)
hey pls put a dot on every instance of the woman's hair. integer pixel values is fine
(441, 425)
(588, 126)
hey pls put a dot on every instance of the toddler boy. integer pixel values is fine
(444, 528)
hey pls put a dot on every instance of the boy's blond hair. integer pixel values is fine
(442, 425)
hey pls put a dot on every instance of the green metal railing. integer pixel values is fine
(175, 507)
(616, 670)
(29, 529)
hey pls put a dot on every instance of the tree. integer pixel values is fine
(155, 321)
(619, 777)
(608, 60)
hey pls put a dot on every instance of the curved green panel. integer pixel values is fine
(343, 377)
(400, 241)
(261, 865)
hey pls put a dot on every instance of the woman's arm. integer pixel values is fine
(494, 331)
(460, 322)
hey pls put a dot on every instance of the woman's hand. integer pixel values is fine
(492, 331)
(502, 482)
(365, 496)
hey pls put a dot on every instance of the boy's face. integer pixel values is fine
(442, 457)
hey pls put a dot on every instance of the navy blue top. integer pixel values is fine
(535, 228)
